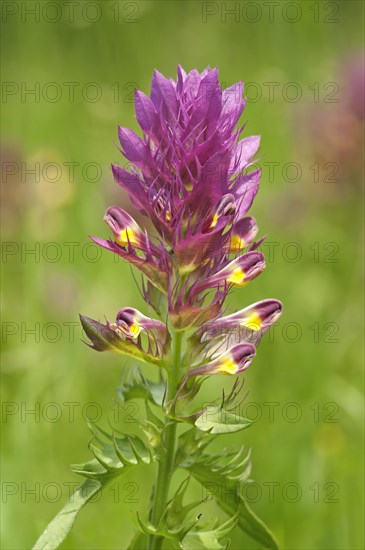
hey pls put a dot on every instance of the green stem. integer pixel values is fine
(166, 464)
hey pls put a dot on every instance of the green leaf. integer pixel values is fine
(189, 443)
(211, 539)
(218, 421)
(176, 512)
(113, 456)
(229, 469)
(139, 387)
(222, 474)
(61, 525)
(248, 520)
(173, 524)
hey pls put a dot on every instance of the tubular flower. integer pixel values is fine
(238, 272)
(257, 318)
(247, 325)
(193, 176)
(131, 322)
(235, 360)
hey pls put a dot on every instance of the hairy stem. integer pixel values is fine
(165, 469)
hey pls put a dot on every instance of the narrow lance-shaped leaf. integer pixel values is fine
(248, 521)
(111, 460)
(61, 525)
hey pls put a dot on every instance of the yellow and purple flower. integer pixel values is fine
(235, 360)
(135, 247)
(125, 335)
(247, 325)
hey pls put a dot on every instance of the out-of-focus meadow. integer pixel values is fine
(304, 76)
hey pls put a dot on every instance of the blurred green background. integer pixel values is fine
(305, 384)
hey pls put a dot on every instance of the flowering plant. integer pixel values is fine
(194, 179)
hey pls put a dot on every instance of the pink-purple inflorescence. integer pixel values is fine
(194, 178)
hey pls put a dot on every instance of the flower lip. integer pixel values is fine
(126, 324)
(270, 311)
(126, 231)
(243, 269)
(130, 322)
(126, 315)
(257, 317)
(226, 208)
(242, 355)
(233, 361)
(256, 267)
(111, 221)
(243, 232)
